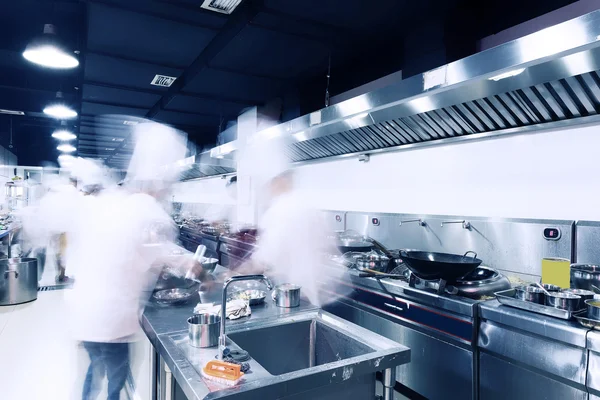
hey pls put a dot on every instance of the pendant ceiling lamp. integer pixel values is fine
(47, 51)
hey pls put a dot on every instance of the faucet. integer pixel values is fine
(222, 336)
(465, 224)
(420, 221)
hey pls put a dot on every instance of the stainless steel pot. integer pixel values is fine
(530, 293)
(583, 276)
(593, 309)
(563, 300)
(584, 294)
(286, 295)
(203, 330)
(18, 280)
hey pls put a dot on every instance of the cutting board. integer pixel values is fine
(556, 271)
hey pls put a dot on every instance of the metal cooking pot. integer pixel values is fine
(18, 280)
(583, 276)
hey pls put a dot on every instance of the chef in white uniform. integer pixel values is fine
(291, 233)
(118, 240)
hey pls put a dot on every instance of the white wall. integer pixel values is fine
(205, 191)
(550, 175)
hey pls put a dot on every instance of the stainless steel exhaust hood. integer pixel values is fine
(547, 79)
(204, 165)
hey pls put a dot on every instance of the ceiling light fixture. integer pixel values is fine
(66, 148)
(47, 51)
(63, 134)
(65, 160)
(60, 111)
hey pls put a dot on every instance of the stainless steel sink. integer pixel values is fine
(298, 345)
(307, 354)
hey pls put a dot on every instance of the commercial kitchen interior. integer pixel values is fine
(433, 127)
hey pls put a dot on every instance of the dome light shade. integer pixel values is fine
(66, 148)
(60, 111)
(48, 52)
(63, 134)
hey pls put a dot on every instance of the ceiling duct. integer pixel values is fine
(548, 79)
(221, 6)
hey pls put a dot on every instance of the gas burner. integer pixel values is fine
(481, 282)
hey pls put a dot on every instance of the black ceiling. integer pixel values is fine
(223, 63)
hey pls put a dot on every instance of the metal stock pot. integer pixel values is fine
(18, 280)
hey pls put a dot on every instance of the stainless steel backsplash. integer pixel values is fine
(514, 246)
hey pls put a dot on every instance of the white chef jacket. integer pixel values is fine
(108, 237)
(291, 243)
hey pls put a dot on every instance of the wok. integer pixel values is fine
(432, 266)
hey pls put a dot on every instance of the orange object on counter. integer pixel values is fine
(223, 371)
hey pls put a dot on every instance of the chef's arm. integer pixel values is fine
(160, 251)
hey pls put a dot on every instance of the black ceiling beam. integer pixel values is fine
(312, 38)
(183, 67)
(337, 29)
(133, 59)
(112, 104)
(126, 6)
(243, 102)
(240, 18)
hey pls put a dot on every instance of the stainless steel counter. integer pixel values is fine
(525, 355)
(593, 372)
(568, 332)
(166, 327)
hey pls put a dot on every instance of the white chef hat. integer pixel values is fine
(157, 148)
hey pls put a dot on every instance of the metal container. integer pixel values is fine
(548, 286)
(593, 309)
(563, 300)
(209, 264)
(530, 293)
(203, 330)
(286, 295)
(583, 276)
(18, 280)
(584, 294)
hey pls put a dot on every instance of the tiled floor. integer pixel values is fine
(38, 360)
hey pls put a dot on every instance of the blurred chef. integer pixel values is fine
(117, 238)
(224, 211)
(291, 234)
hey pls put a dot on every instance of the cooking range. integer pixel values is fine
(439, 319)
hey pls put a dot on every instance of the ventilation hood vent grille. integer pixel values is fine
(221, 6)
(565, 99)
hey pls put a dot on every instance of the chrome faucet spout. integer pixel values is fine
(223, 336)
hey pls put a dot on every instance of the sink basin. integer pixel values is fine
(281, 349)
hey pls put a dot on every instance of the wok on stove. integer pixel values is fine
(433, 266)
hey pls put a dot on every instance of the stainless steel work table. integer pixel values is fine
(166, 327)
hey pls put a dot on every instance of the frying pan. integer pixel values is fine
(432, 266)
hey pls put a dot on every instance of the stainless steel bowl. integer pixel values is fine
(530, 293)
(593, 309)
(584, 294)
(583, 276)
(253, 296)
(549, 287)
(173, 296)
(563, 300)
(209, 264)
(203, 330)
